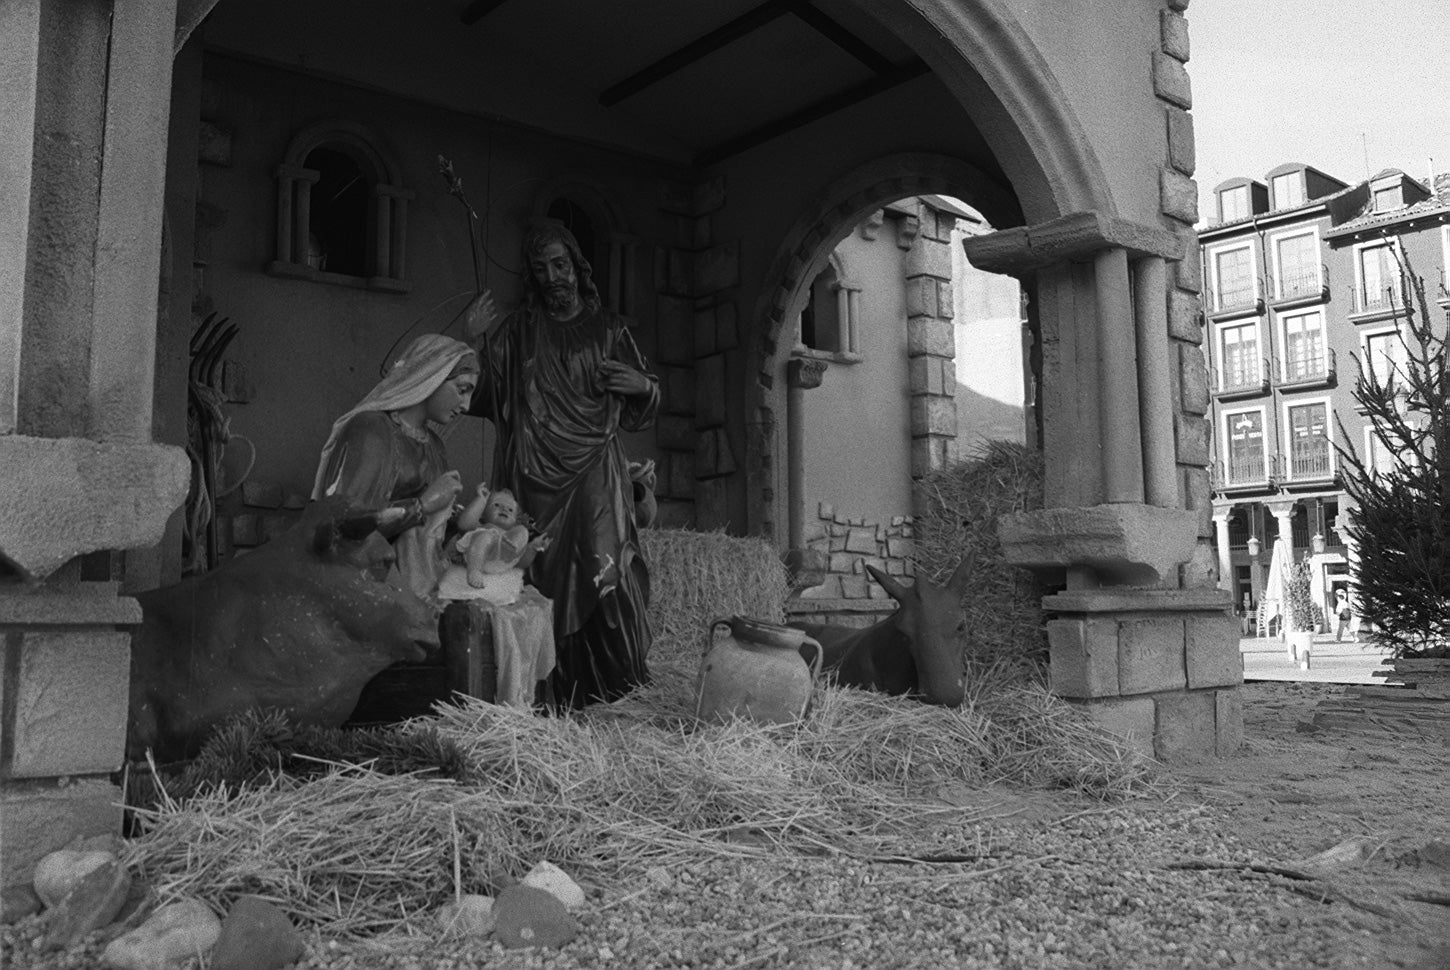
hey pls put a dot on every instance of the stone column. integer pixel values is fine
(1221, 516)
(806, 566)
(79, 268)
(1283, 512)
(1141, 637)
(931, 344)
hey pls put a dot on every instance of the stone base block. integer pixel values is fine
(1131, 718)
(40, 817)
(1127, 544)
(70, 694)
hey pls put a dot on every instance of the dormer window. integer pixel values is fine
(1288, 189)
(1391, 197)
(1233, 204)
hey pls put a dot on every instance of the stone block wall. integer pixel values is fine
(848, 596)
(1161, 668)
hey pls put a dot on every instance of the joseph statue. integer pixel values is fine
(561, 379)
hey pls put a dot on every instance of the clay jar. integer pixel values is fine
(754, 669)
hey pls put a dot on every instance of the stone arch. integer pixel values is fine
(804, 252)
(357, 139)
(1003, 82)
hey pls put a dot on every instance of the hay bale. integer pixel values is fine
(697, 577)
(1002, 603)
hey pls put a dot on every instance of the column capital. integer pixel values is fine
(1077, 236)
(805, 373)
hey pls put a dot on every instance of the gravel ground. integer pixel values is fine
(1054, 882)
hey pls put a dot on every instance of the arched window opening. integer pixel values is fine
(342, 217)
(828, 319)
(339, 217)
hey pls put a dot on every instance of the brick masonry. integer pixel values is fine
(850, 543)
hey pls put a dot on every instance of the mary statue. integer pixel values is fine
(386, 454)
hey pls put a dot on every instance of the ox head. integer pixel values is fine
(930, 617)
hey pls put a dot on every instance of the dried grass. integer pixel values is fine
(618, 788)
(1002, 603)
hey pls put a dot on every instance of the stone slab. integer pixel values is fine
(1170, 80)
(1077, 236)
(1130, 718)
(88, 604)
(1191, 434)
(1184, 321)
(1083, 658)
(1173, 31)
(1193, 379)
(1150, 656)
(1186, 726)
(70, 694)
(1229, 721)
(929, 335)
(1178, 195)
(1212, 652)
(64, 497)
(1138, 601)
(1182, 145)
(1127, 543)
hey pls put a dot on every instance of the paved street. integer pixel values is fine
(1330, 662)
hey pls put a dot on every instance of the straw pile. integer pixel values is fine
(697, 577)
(608, 793)
(1002, 603)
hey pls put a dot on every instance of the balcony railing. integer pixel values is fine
(1311, 369)
(1311, 458)
(1241, 471)
(1251, 378)
(1377, 300)
(1236, 295)
(1306, 285)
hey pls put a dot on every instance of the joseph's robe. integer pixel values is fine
(559, 450)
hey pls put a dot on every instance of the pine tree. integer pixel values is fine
(1402, 517)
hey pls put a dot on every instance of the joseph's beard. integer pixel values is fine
(560, 298)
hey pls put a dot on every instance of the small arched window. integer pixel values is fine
(341, 213)
(828, 319)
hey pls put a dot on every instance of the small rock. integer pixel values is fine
(526, 916)
(61, 871)
(471, 915)
(92, 903)
(256, 935)
(553, 880)
(172, 935)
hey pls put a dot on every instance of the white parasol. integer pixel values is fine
(1273, 597)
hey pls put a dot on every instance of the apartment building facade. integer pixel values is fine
(1302, 288)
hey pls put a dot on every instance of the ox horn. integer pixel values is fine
(893, 589)
(957, 584)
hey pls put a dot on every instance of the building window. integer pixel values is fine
(1378, 278)
(1305, 355)
(1386, 199)
(828, 321)
(1385, 355)
(1239, 351)
(341, 214)
(1244, 435)
(1379, 458)
(1233, 204)
(1297, 260)
(1310, 455)
(1288, 189)
(1234, 278)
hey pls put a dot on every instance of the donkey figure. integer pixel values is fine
(913, 651)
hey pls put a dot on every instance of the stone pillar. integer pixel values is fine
(1283, 513)
(931, 344)
(1140, 637)
(806, 566)
(1220, 528)
(79, 267)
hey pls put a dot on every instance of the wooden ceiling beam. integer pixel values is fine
(842, 38)
(478, 9)
(744, 24)
(898, 74)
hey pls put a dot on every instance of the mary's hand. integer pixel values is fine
(480, 317)
(441, 492)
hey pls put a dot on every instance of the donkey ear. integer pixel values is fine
(957, 584)
(893, 589)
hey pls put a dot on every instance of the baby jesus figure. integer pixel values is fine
(493, 540)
